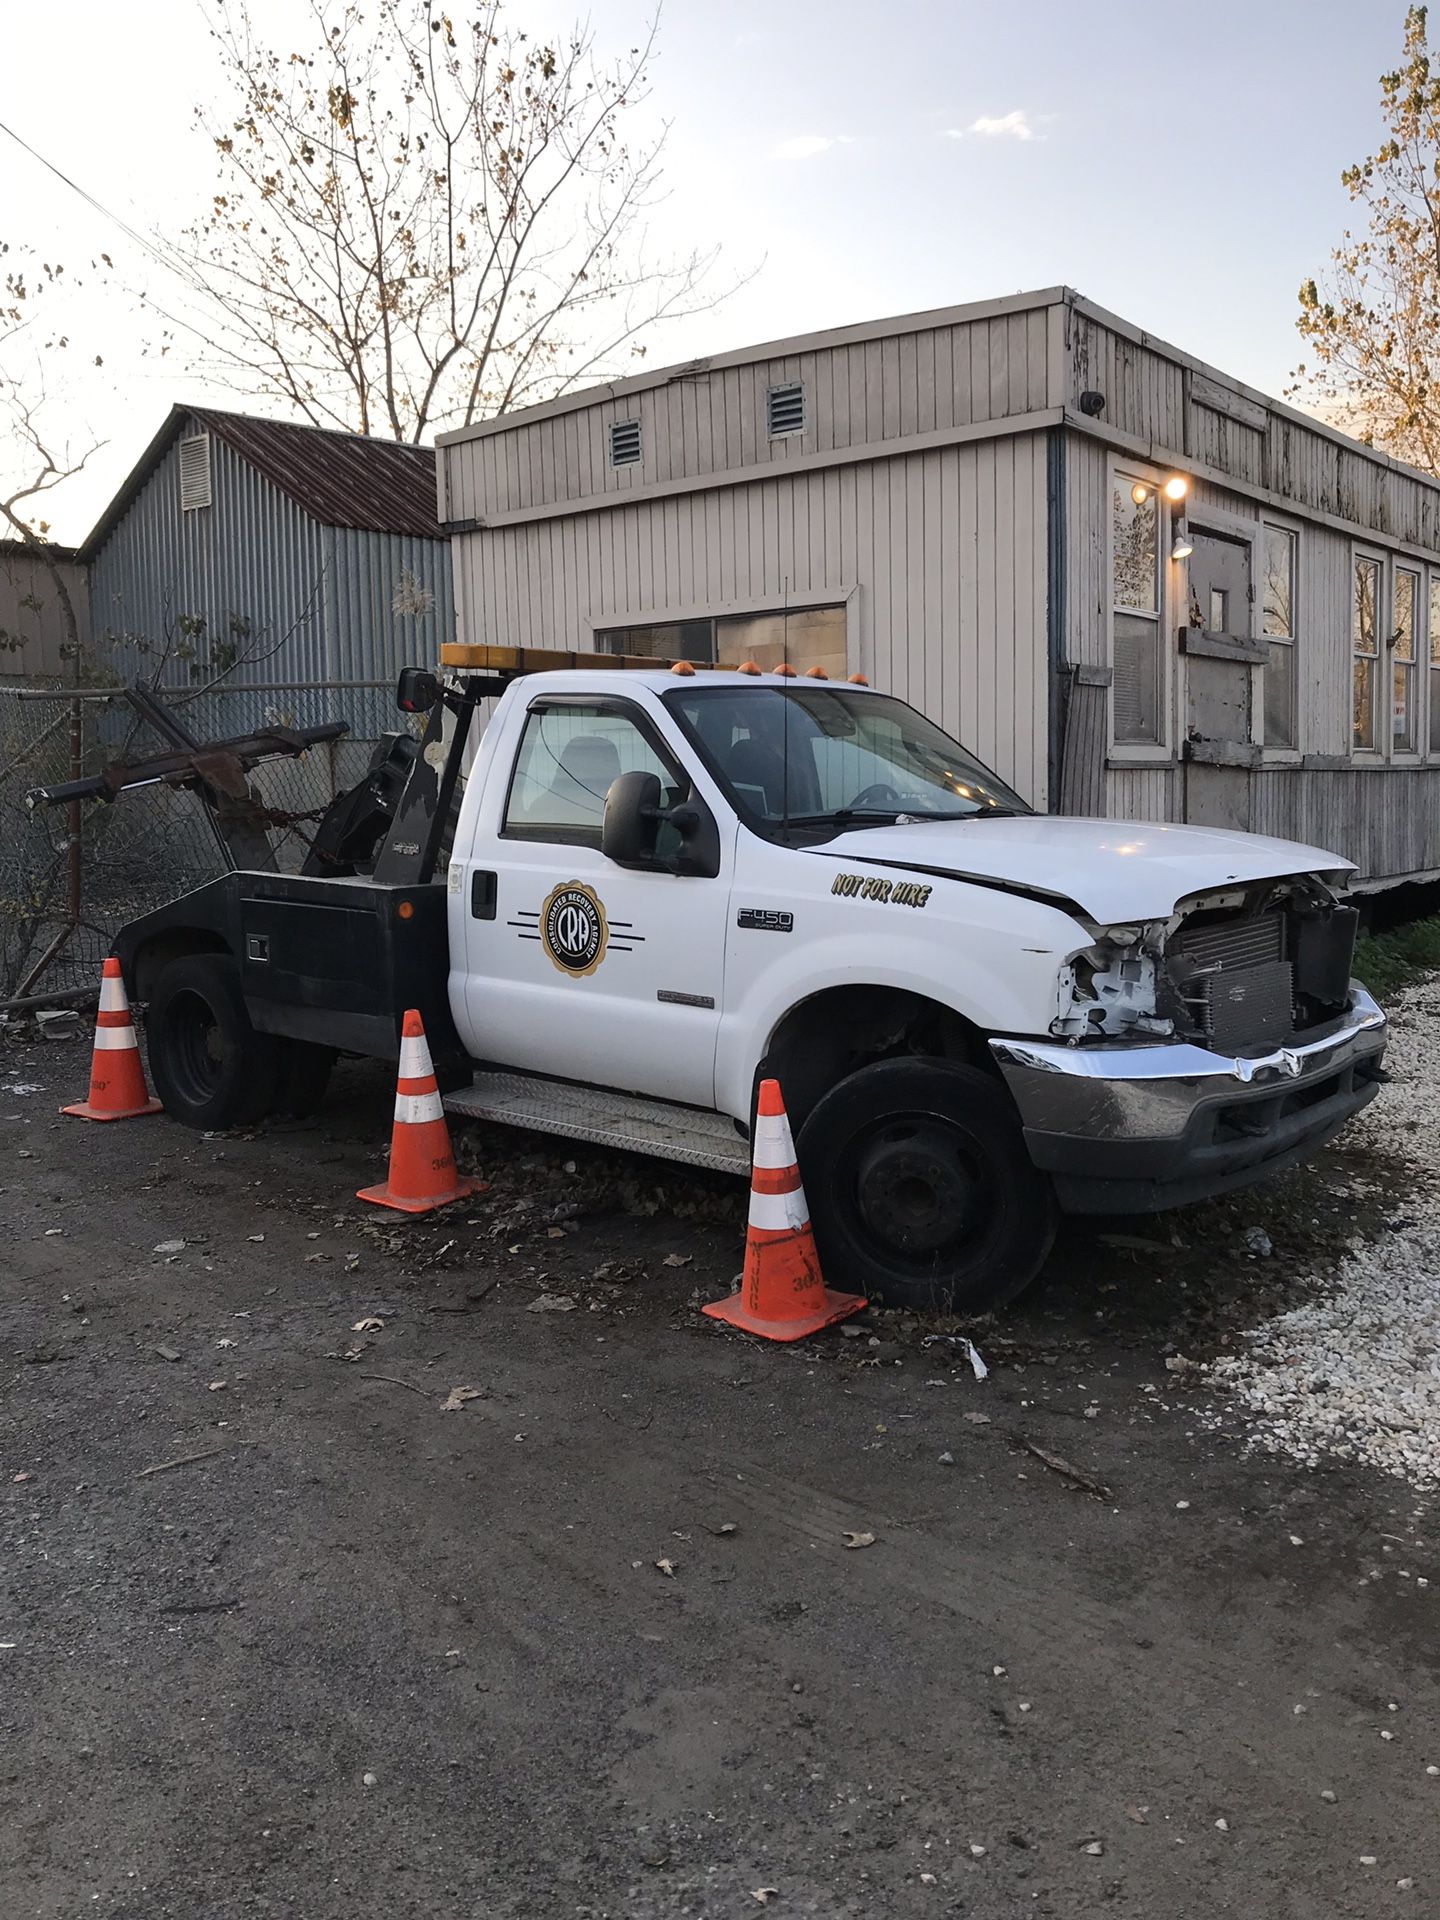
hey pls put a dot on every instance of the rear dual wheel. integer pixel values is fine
(211, 1067)
(921, 1188)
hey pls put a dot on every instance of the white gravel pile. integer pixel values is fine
(1355, 1374)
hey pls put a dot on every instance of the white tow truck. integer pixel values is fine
(641, 891)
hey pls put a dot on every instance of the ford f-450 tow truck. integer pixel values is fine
(643, 890)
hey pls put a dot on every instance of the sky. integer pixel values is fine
(1179, 165)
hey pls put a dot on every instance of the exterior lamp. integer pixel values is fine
(1176, 488)
(1183, 545)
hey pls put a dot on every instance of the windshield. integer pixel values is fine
(833, 757)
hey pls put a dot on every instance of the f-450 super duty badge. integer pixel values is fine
(894, 893)
(573, 928)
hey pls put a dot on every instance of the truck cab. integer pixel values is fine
(663, 885)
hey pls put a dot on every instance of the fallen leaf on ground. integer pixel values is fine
(171, 1246)
(978, 1419)
(678, 1259)
(765, 1894)
(725, 1526)
(551, 1303)
(216, 1385)
(667, 1567)
(859, 1539)
(457, 1398)
(368, 1325)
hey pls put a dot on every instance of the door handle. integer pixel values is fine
(482, 895)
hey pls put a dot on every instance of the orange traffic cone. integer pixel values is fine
(781, 1295)
(117, 1079)
(422, 1172)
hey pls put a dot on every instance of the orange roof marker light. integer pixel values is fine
(816, 673)
(749, 666)
(682, 667)
(785, 670)
(858, 680)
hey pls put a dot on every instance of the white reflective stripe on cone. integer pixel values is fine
(414, 1057)
(773, 1145)
(114, 1039)
(779, 1212)
(415, 1108)
(112, 996)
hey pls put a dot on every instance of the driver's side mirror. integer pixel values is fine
(634, 815)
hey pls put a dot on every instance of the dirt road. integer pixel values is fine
(279, 1634)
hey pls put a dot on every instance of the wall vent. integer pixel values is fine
(785, 409)
(625, 443)
(195, 472)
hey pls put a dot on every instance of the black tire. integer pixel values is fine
(303, 1078)
(211, 1068)
(920, 1188)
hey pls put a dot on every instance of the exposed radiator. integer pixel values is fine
(1232, 943)
(1250, 1006)
(1233, 982)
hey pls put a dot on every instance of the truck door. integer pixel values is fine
(576, 967)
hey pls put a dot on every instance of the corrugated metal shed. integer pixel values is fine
(339, 479)
(319, 559)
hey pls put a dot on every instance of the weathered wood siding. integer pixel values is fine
(710, 419)
(1190, 416)
(1384, 818)
(939, 558)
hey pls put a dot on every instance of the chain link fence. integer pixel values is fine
(71, 875)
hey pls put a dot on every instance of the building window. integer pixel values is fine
(803, 637)
(1365, 647)
(1402, 662)
(625, 443)
(785, 409)
(194, 472)
(1435, 663)
(1278, 627)
(1139, 667)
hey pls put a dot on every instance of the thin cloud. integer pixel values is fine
(805, 146)
(1005, 126)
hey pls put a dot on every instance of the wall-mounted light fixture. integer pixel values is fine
(1175, 490)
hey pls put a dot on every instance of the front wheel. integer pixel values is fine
(921, 1189)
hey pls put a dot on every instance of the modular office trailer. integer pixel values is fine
(970, 506)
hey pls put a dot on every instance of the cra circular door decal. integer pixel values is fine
(573, 928)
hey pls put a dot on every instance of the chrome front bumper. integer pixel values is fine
(1154, 1126)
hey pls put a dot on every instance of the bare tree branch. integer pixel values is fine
(417, 221)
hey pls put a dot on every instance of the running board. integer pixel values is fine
(691, 1135)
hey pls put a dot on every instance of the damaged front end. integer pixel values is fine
(1240, 968)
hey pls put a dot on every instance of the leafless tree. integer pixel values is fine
(419, 222)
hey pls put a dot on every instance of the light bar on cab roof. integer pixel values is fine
(463, 656)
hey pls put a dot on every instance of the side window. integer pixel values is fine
(569, 758)
(1139, 669)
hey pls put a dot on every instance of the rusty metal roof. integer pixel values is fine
(339, 479)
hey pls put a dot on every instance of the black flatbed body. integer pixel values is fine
(336, 961)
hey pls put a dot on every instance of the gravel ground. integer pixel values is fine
(1354, 1373)
(287, 1628)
